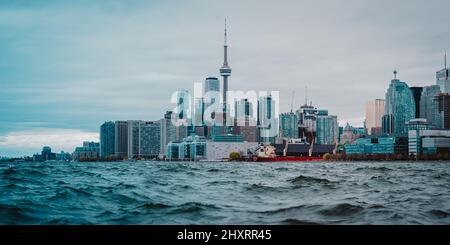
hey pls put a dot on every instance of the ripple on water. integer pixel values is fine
(440, 214)
(263, 188)
(152, 205)
(298, 222)
(193, 207)
(374, 169)
(342, 209)
(307, 180)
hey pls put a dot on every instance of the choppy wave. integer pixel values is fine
(220, 193)
(301, 180)
(343, 209)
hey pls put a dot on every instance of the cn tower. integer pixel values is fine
(225, 72)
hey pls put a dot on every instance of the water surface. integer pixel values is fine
(225, 193)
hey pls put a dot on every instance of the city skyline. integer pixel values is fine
(59, 96)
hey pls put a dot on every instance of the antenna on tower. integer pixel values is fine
(225, 36)
(395, 74)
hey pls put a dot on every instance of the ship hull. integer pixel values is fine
(289, 159)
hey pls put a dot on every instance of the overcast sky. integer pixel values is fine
(68, 66)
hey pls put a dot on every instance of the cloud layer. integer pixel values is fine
(30, 142)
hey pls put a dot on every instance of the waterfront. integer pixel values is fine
(225, 193)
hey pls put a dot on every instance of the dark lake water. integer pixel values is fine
(225, 193)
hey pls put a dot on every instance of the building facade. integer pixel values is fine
(107, 139)
(121, 139)
(378, 145)
(307, 128)
(327, 130)
(211, 84)
(417, 94)
(133, 138)
(374, 115)
(246, 127)
(443, 106)
(428, 105)
(443, 77)
(349, 135)
(267, 121)
(400, 107)
(427, 141)
(90, 151)
(289, 125)
(150, 139)
(415, 126)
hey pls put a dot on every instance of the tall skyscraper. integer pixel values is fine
(327, 130)
(443, 106)
(211, 84)
(374, 115)
(184, 106)
(243, 108)
(150, 139)
(267, 122)
(211, 97)
(244, 122)
(428, 106)
(225, 72)
(289, 125)
(168, 131)
(107, 139)
(400, 107)
(307, 127)
(442, 77)
(121, 139)
(133, 138)
(198, 112)
(417, 94)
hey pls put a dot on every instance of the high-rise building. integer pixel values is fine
(414, 141)
(225, 72)
(289, 125)
(150, 139)
(211, 84)
(266, 120)
(443, 106)
(374, 115)
(327, 130)
(90, 151)
(417, 94)
(121, 139)
(168, 131)
(184, 106)
(47, 153)
(244, 122)
(428, 106)
(171, 132)
(198, 112)
(243, 108)
(107, 139)
(246, 127)
(198, 125)
(133, 138)
(443, 77)
(211, 101)
(400, 107)
(307, 127)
